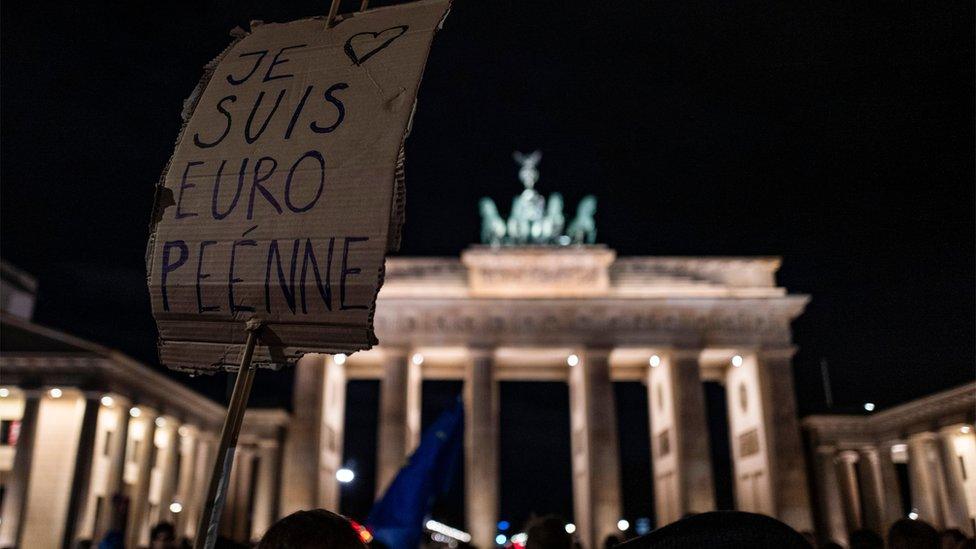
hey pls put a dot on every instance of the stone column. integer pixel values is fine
(138, 522)
(850, 500)
(187, 437)
(393, 434)
(101, 479)
(892, 494)
(956, 513)
(481, 410)
(596, 464)
(206, 444)
(682, 464)
(831, 517)
(242, 503)
(415, 389)
(265, 506)
(300, 468)
(116, 469)
(55, 450)
(871, 487)
(168, 472)
(922, 458)
(15, 499)
(81, 481)
(580, 455)
(751, 464)
(784, 449)
(332, 427)
(228, 515)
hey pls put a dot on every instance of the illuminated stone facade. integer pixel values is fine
(72, 442)
(578, 315)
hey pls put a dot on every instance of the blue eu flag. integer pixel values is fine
(397, 519)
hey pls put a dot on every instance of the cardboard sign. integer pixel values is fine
(286, 189)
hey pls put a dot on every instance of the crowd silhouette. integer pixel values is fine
(321, 529)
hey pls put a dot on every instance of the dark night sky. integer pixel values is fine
(839, 135)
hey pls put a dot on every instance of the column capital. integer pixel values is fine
(330, 361)
(827, 449)
(683, 353)
(311, 359)
(145, 411)
(870, 453)
(847, 456)
(247, 442)
(206, 437)
(395, 353)
(33, 393)
(923, 436)
(776, 353)
(267, 444)
(601, 352)
(481, 352)
(119, 400)
(956, 429)
(188, 430)
(247, 446)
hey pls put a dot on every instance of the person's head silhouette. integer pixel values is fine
(866, 539)
(549, 532)
(315, 529)
(912, 534)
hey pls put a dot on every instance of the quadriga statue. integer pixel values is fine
(533, 219)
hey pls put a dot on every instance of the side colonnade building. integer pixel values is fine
(577, 315)
(92, 441)
(916, 460)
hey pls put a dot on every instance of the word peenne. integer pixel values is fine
(176, 253)
(298, 271)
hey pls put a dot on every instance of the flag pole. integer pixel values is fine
(825, 378)
(206, 536)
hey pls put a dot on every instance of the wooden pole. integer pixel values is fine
(206, 536)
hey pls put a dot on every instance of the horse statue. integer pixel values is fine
(582, 230)
(492, 224)
(554, 222)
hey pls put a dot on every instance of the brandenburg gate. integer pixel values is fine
(540, 301)
(579, 315)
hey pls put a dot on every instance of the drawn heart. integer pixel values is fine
(369, 44)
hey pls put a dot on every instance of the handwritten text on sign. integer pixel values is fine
(277, 201)
(303, 186)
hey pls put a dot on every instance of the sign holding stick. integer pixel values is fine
(220, 478)
(282, 198)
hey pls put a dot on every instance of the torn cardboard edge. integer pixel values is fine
(186, 356)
